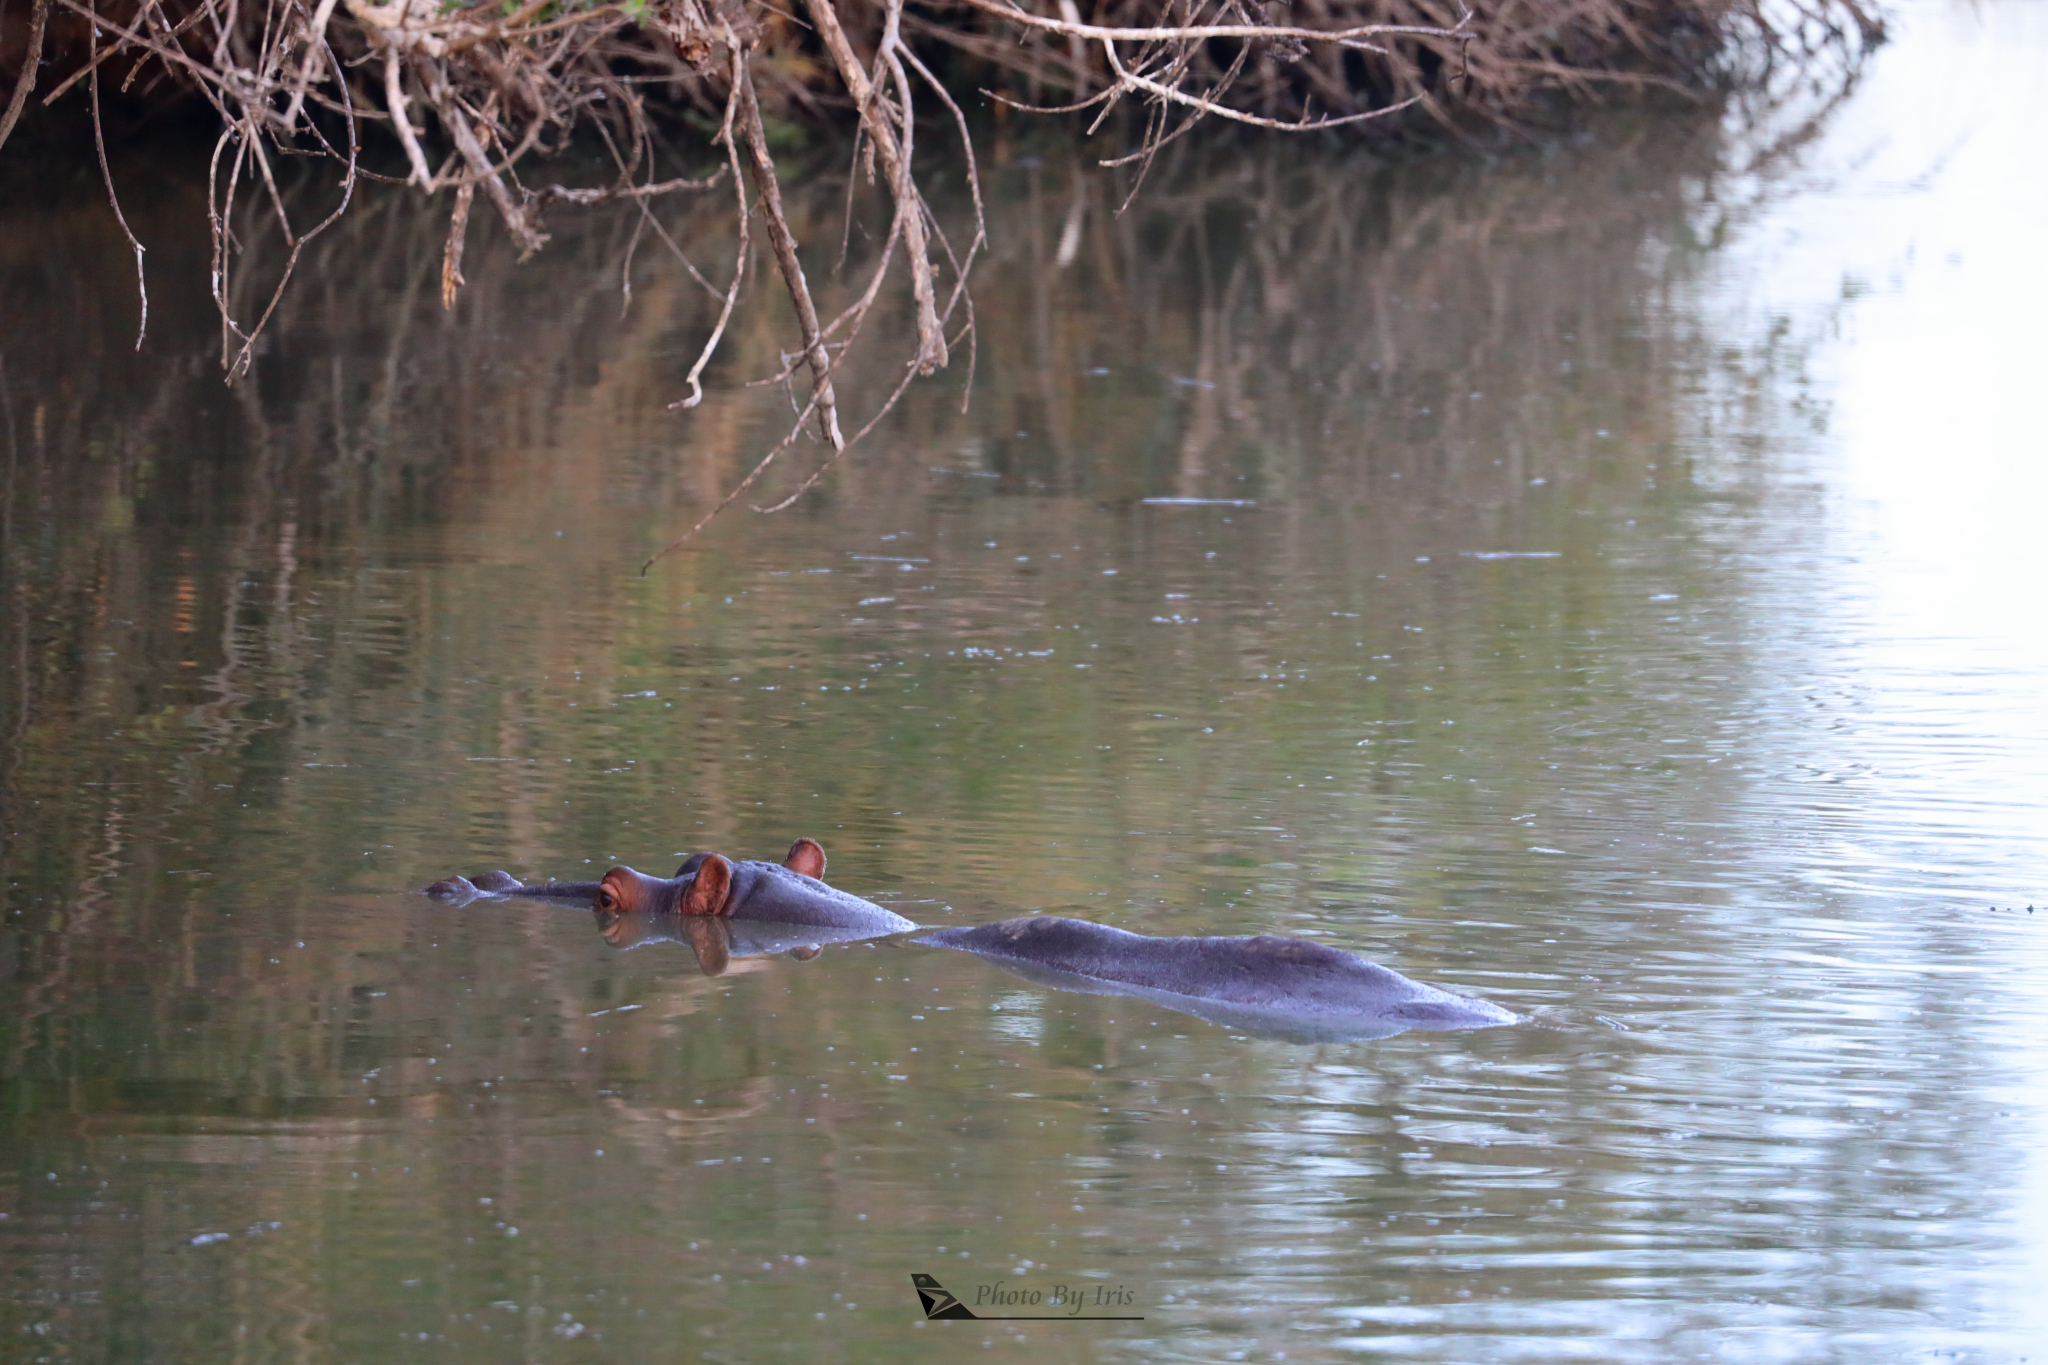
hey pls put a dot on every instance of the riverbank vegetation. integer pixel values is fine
(459, 99)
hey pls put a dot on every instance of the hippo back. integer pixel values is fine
(1269, 979)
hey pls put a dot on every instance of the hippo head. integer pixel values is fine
(706, 891)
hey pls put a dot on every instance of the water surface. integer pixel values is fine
(1602, 579)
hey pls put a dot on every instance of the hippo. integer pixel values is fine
(1287, 988)
(708, 884)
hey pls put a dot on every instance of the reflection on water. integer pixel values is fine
(1511, 573)
(717, 941)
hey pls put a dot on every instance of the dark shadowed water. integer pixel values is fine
(1606, 579)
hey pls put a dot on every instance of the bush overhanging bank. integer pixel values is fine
(472, 97)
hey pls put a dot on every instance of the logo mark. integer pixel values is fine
(940, 1304)
(937, 1302)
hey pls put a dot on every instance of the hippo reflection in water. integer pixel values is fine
(1288, 988)
(717, 940)
(1274, 987)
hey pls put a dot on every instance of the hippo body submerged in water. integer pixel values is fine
(790, 892)
(1275, 987)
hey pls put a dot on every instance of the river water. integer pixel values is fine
(1604, 578)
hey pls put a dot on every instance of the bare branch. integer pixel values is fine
(563, 194)
(1200, 32)
(784, 244)
(739, 265)
(895, 157)
(1167, 92)
(99, 142)
(32, 58)
(401, 121)
(451, 254)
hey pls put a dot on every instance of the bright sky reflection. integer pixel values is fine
(1914, 247)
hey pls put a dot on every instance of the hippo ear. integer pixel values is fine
(691, 864)
(806, 857)
(711, 889)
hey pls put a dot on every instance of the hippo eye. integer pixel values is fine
(606, 900)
